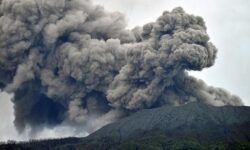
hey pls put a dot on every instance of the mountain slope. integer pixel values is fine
(197, 124)
(191, 126)
(192, 118)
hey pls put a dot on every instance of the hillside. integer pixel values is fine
(192, 126)
(192, 118)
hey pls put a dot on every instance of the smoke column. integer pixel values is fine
(71, 62)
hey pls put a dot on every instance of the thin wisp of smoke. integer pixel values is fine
(70, 61)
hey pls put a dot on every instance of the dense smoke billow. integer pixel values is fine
(71, 62)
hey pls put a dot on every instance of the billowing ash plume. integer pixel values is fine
(69, 61)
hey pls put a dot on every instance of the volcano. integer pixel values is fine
(190, 126)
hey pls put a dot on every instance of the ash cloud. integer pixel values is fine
(71, 62)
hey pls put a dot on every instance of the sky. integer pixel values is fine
(228, 23)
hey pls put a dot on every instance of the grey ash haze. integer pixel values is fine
(72, 62)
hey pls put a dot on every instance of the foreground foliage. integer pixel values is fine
(161, 142)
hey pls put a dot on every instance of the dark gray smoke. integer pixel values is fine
(69, 61)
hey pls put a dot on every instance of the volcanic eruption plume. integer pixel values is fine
(71, 61)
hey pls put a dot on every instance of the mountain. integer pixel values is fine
(191, 126)
(195, 122)
(193, 118)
